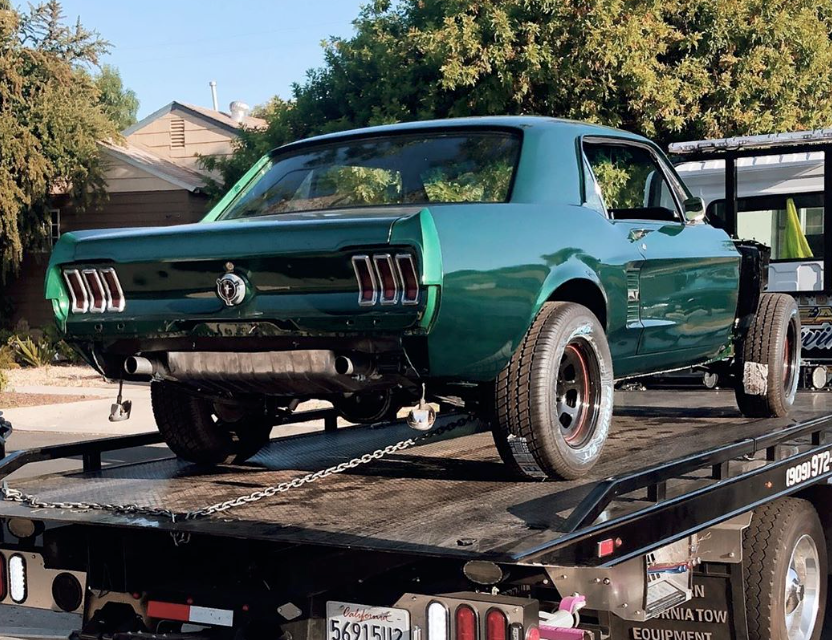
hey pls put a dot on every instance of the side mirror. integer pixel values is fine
(694, 209)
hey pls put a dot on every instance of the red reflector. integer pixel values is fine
(466, 623)
(387, 279)
(367, 293)
(606, 547)
(408, 277)
(168, 611)
(495, 625)
(95, 286)
(4, 589)
(533, 633)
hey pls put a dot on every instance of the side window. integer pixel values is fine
(592, 196)
(631, 182)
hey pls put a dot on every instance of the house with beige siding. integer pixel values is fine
(153, 179)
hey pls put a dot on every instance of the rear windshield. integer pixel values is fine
(389, 170)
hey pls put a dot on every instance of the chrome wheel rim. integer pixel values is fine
(802, 590)
(578, 393)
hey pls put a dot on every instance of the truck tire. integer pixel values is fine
(784, 552)
(769, 362)
(191, 429)
(554, 399)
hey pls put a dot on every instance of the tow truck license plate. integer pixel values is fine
(348, 621)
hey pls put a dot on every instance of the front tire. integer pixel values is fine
(554, 399)
(784, 552)
(192, 429)
(769, 364)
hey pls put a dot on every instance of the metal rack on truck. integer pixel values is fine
(694, 526)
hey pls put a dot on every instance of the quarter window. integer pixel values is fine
(632, 183)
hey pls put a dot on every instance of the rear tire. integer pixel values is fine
(784, 552)
(769, 364)
(190, 427)
(554, 399)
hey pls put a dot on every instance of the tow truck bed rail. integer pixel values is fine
(452, 497)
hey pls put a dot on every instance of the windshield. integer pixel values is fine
(388, 170)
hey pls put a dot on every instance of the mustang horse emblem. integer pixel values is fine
(231, 289)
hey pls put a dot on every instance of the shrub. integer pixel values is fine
(33, 353)
(4, 380)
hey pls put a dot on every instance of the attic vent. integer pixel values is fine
(177, 133)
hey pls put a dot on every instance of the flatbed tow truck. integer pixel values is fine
(693, 527)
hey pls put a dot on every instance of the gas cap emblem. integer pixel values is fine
(231, 289)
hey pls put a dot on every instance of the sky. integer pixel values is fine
(254, 49)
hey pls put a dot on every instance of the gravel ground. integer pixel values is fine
(57, 376)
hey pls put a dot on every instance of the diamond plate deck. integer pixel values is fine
(451, 496)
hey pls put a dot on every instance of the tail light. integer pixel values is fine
(386, 279)
(437, 616)
(4, 584)
(409, 278)
(115, 294)
(367, 293)
(95, 287)
(18, 589)
(495, 625)
(466, 623)
(77, 291)
(94, 290)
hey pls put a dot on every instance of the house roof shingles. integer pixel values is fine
(146, 160)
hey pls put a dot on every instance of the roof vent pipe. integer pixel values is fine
(239, 110)
(213, 85)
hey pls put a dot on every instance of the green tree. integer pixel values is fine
(669, 69)
(120, 104)
(50, 120)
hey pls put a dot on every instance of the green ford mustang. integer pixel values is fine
(518, 264)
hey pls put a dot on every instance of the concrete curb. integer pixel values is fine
(16, 633)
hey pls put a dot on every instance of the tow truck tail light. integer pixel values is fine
(495, 625)
(94, 290)
(77, 291)
(409, 279)
(18, 588)
(466, 623)
(387, 279)
(4, 589)
(437, 615)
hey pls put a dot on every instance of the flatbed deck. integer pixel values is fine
(448, 497)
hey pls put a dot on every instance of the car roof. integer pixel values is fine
(537, 124)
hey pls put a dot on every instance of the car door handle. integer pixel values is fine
(637, 234)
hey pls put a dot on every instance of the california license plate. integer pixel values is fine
(348, 621)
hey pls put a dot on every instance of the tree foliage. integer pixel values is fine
(669, 69)
(120, 104)
(50, 120)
